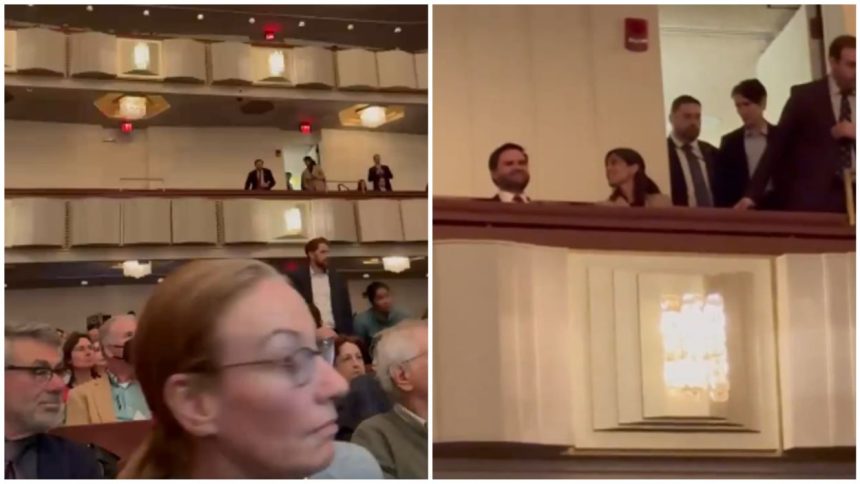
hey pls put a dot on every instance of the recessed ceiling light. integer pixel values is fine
(84, 283)
(146, 13)
(199, 16)
(366, 276)
(251, 20)
(301, 23)
(397, 30)
(160, 280)
(350, 27)
(89, 8)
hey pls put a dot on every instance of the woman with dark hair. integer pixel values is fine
(382, 313)
(313, 178)
(349, 357)
(362, 186)
(625, 172)
(79, 358)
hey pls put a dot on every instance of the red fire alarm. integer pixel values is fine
(126, 127)
(305, 127)
(636, 34)
(269, 34)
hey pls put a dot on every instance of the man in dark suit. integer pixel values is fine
(742, 149)
(815, 140)
(34, 405)
(509, 169)
(323, 287)
(259, 178)
(380, 175)
(692, 163)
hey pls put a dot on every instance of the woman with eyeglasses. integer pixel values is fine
(79, 358)
(236, 383)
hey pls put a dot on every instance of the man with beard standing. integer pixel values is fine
(34, 386)
(509, 168)
(692, 163)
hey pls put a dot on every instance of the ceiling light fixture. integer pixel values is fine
(350, 27)
(132, 108)
(395, 264)
(301, 23)
(135, 269)
(146, 13)
(397, 30)
(251, 20)
(84, 283)
(199, 16)
(372, 116)
(89, 8)
(366, 276)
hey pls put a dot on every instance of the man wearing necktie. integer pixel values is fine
(815, 143)
(259, 178)
(692, 163)
(509, 169)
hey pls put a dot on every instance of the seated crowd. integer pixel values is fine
(313, 177)
(243, 373)
(803, 163)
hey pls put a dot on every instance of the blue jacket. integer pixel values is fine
(59, 458)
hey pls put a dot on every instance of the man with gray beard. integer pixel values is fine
(34, 386)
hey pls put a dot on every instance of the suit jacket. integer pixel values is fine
(59, 458)
(365, 399)
(91, 403)
(384, 180)
(732, 169)
(676, 173)
(803, 159)
(251, 180)
(341, 307)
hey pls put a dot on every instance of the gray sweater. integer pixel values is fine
(397, 441)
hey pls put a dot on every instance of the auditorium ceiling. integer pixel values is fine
(76, 106)
(109, 273)
(373, 25)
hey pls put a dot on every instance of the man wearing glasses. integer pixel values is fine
(398, 438)
(117, 398)
(33, 375)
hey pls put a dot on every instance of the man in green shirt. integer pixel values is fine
(381, 315)
(398, 438)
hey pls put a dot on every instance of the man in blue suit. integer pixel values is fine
(34, 404)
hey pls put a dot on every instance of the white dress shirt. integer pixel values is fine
(836, 101)
(321, 296)
(755, 144)
(685, 167)
(508, 197)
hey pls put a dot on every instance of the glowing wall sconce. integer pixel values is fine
(277, 66)
(695, 357)
(293, 221)
(395, 264)
(141, 56)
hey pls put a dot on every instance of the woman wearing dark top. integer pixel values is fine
(625, 172)
(362, 186)
(79, 358)
(380, 175)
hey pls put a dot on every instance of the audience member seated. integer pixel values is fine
(382, 313)
(348, 357)
(79, 359)
(93, 330)
(323, 287)
(815, 140)
(118, 396)
(631, 187)
(313, 178)
(361, 186)
(238, 390)
(691, 161)
(509, 169)
(259, 178)
(365, 398)
(289, 184)
(380, 175)
(33, 386)
(742, 149)
(398, 438)
(99, 362)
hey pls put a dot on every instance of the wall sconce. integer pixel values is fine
(277, 66)
(141, 56)
(695, 356)
(135, 269)
(293, 221)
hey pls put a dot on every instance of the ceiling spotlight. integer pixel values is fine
(350, 27)
(301, 23)
(89, 8)
(160, 280)
(251, 20)
(84, 283)
(366, 276)
(397, 30)
(199, 16)
(146, 13)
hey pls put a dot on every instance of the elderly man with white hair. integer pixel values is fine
(398, 438)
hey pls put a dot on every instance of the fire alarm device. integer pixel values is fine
(636, 34)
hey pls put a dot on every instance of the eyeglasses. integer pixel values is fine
(299, 366)
(419, 355)
(327, 350)
(40, 374)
